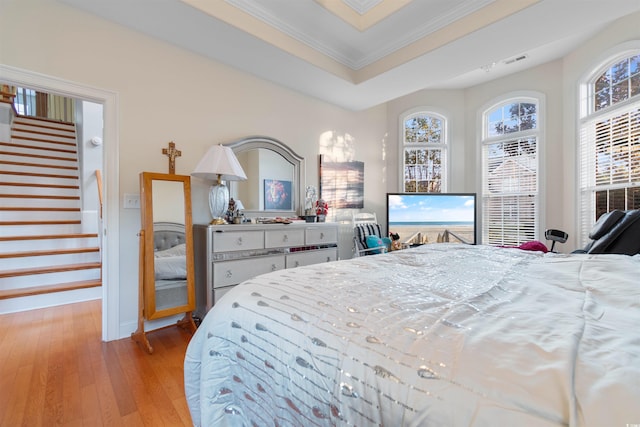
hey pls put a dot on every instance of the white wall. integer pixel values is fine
(149, 77)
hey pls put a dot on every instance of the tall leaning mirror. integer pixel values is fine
(166, 257)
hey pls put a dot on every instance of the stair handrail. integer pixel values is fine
(99, 182)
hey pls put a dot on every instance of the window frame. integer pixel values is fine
(588, 115)
(484, 140)
(443, 146)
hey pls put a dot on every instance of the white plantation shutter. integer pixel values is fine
(609, 164)
(510, 191)
(510, 173)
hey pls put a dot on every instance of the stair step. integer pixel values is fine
(27, 189)
(19, 223)
(28, 167)
(22, 278)
(48, 252)
(47, 258)
(49, 236)
(14, 202)
(42, 229)
(51, 241)
(37, 148)
(39, 215)
(39, 156)
(57, 287)
(36, 178)
(38, 209)
(37, 152)
(43, 139)
(44, 123)
(38, 196)
(23, 130)
(49, 269)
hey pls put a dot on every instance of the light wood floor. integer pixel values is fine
(56, 371)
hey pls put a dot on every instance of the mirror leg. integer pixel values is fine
(139, 335)
(187, 322)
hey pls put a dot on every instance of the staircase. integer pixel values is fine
(45, 257)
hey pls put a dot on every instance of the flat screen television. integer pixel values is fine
(420, 218)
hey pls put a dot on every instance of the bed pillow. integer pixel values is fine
(177, 250)
(374, 242)
(169, 268)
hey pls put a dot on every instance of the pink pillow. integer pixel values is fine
(534, 246)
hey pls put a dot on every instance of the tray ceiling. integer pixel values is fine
(360, 53)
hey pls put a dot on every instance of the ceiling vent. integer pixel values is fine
(516, 59)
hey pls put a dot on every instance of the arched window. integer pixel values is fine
(609, 147)
(424, 152)
(511, 141)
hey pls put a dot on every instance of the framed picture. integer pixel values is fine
(342, 184)
(277, 195)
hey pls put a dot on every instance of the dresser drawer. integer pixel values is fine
(301, 258)
(225, 241)
(219, 292)
(227, 273)
(283, 238)
(321, 235)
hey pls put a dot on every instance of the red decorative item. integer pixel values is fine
(321, 207)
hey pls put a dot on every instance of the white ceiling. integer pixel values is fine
(360, 53)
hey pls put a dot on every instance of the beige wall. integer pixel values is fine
(168, 94)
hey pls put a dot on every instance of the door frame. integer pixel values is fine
(111, 206)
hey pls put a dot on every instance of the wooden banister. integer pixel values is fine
(99, 182)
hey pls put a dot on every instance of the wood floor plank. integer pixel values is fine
(55, 370)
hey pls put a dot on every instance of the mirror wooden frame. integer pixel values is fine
(264, 142)
(147, 284)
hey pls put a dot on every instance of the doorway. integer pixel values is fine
(110, 227)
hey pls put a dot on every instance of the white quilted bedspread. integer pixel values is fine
(441, 335)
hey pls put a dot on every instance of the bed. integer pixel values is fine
(442, 335)
(170, 264)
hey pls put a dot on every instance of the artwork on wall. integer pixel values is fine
(277, 195)
(342, 184)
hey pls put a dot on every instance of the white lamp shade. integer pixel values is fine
(219, 162)
(239, 205)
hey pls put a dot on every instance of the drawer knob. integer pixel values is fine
(229, 273)
(321, 235)
(273, 267)
(297, 263)
(285, 238)
(239, 241)
(328, 259)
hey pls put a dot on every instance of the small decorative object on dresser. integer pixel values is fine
(321, 209)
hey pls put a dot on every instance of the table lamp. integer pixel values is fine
(219, 164)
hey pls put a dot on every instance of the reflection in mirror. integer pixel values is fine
(169, 246)
(266, 160)
(262, 165)
(166, 251)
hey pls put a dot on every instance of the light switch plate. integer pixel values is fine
(132, 201)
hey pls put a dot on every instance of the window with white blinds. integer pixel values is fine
(424, 153)
(510, 173)
(609, 148)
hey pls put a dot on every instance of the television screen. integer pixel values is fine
(420, 218)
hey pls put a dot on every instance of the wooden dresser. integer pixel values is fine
(226, 255)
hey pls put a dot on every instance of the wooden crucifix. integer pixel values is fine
(172, 153)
